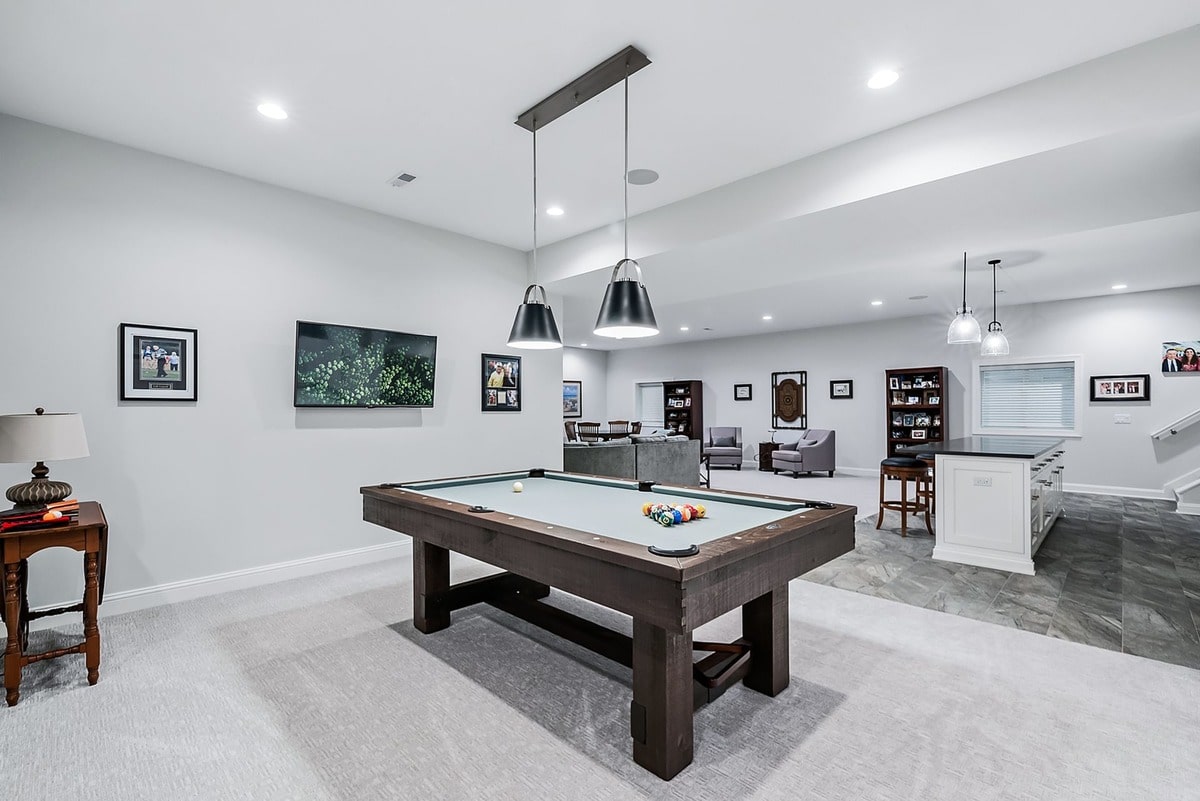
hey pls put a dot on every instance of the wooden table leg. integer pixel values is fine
(91, 602)
(765, 625)
(12, 651)
(661, 711)
(431, 580)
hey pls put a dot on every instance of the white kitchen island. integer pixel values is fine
(997, 498)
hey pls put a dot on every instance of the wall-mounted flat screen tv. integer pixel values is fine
(343, 365)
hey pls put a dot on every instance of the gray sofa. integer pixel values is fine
(667, 462)
(812, 452)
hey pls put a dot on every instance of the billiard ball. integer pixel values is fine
(518, 486)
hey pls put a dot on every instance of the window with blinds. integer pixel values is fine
(1032, 397)
(650, 406)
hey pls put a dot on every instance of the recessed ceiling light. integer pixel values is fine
(883, 79)
(767, 317)
(683, 328)
(1120, 286)
(877, 303)
(555, 211)
(917, 297)
(642, 177)
(272, 110)
(583, 344)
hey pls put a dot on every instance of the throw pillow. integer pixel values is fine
(725, 442)
(807, 442)
(788, 446)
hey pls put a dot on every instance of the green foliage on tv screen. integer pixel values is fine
(343, 366)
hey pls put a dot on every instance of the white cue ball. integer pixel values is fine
(518, 486)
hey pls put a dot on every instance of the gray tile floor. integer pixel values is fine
(1116, 573)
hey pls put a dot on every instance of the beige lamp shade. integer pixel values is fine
(42, 437)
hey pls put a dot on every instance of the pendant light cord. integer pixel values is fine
(625, 177)
(995, 310)
(964, 303)
(535, 205)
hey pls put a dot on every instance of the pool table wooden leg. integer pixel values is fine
(431, 580)
(765, 625)
(661, 711)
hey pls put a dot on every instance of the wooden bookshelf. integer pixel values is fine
(683, 407)
(916, 406)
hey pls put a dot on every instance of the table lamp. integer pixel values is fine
(40, 438)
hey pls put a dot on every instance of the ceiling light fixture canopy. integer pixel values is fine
(995, 343)
(626, 310)
(964, 328)
(534, 328)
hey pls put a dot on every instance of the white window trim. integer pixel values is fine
(977, 397)
(638, 412)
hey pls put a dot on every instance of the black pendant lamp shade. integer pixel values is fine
(625, 311)
(534, 327)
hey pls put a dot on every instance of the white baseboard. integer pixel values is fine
(1187, 508)
(1124, 492)
(117, 603)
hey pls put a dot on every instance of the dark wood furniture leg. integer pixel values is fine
(661, 711)
(91, 603)
(431, 581)
(12, 617)
(765, 625)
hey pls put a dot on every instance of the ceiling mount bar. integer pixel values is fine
(604, 75)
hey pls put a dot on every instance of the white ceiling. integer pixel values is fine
(734, 90)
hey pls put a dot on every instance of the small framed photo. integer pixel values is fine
(909, 420)
(742, 392)
(932, 398)
(1120, 388)
(500, 383)
(841, 389)
(918, 433)
(157, 363)
(914, 400)
(894, 383)
(572, 399)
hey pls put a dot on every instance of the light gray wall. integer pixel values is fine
(590, 367)
(1115, 334)
(93, 234)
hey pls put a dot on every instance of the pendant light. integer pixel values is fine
(625, 311)
(964, 328)
(995, 343)
(534, 327)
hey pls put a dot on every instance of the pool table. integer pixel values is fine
(586, 535)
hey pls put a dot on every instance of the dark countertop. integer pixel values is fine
(1007, 447)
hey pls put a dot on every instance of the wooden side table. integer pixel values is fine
(88, 534)
(765, 449)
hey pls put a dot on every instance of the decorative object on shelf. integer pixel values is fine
(995, 343)
(918, 433)
(1120, 388)
(789, 398)
(742, 392)
(500, 383)
(842, 389)
(893, 383)
(157, 363)
(572, 398)
(1181, 357)
(964, 328)
(40, 438)
(626, 311)
(534, 328)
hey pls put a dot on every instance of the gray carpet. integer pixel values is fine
(319, 688)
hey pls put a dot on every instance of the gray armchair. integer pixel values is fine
(813, 451)
(723, 446)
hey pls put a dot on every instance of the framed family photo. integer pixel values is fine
(1181, 357)
(1135, 387)
(572, 399)
(841, 389)
(157, 363)
(500, 383)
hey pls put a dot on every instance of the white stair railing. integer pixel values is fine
(1180, 424)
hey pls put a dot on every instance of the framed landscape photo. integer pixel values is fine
(1121, 388)
(500, 383)
(157, 363)
(742, 392)
(572, 399)
(841, 389)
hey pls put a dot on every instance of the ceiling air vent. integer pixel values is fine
(403, 179)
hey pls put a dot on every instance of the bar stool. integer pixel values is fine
(929, 460)
(905, 469)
